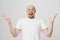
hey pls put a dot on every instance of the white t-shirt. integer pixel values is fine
(31, 28)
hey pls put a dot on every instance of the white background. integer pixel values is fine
(16, 9)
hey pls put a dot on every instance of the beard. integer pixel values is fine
(31, 16)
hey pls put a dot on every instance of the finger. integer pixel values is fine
(3, 15)
(55, 15)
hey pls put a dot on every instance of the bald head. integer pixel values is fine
(30, 6)
(31, 11)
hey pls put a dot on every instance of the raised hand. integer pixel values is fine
(52, 18)
(7, 18)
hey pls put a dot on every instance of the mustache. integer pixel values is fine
(31, 14)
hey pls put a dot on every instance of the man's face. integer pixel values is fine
(31, 11)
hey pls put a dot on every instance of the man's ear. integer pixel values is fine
(35, 10)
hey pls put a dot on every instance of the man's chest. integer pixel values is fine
(31, 25)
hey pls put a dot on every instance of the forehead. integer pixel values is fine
(30, 7)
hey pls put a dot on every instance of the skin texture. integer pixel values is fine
(31, 11)
(31, 14)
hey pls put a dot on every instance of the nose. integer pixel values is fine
(30, 11)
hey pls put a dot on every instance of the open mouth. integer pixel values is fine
(31, 14)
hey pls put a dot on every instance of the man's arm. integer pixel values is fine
(48, 31)
(14, 31)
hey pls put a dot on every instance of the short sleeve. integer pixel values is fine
(18, 25)
(43, 25)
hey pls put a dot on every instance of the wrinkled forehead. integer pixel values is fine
(30, 7)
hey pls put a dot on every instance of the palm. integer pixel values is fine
(7, 18)
(52, 18)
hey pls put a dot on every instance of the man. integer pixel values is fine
(31, 26)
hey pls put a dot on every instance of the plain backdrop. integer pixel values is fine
(16, 9)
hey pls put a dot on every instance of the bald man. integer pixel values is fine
(31, 26)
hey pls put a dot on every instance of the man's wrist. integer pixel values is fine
(9, 23)
(51, 21)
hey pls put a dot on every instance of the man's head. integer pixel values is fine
(31, 11)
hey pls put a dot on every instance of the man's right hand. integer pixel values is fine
(7, 18)
(14, 31)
